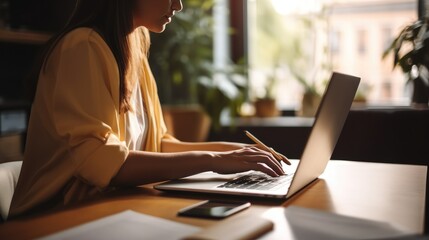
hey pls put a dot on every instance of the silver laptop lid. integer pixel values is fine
(327, 127)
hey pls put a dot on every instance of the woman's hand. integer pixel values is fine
(245, 159)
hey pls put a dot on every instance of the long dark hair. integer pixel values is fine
(113, 20)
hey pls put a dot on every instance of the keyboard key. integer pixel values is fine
(258, 182)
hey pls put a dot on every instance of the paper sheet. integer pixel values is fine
(127, 225)
(307, 223)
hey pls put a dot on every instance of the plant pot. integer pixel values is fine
(266, 108)
(420, 96)
(309, 104)
(187, 123)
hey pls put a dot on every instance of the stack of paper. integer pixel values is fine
(127, 225)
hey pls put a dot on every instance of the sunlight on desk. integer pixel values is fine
(383, 192)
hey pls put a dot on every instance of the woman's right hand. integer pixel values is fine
(245, 159)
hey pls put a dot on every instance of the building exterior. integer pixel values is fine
(348, 36)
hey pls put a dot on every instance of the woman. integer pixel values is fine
(96, 120)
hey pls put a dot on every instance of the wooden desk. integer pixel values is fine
(378, 191)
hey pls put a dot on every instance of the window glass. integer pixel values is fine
(306, 40)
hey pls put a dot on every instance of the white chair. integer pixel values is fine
(9, 173)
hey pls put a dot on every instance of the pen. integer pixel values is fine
(265, 147)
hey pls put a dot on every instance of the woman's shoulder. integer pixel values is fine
(82, 35)
(82, 43)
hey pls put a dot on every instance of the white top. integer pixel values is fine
(136, 120)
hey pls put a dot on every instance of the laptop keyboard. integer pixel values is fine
(258, 181)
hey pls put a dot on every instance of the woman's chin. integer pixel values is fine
(158, 29)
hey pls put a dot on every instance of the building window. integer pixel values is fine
(387, 36)
(334, 42)
(361, 36)
(310, 39)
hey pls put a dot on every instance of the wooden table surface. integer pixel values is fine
(384, 192)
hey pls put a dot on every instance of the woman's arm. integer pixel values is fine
(169, 146)
(148, 167)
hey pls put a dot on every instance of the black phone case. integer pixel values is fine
(200, 211)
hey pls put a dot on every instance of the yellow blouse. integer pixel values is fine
(76, 134)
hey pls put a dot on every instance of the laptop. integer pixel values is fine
(330, 117)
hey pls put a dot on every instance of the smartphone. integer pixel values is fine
(213, 209)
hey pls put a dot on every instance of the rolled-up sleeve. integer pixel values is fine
(86, 111)
(103, 162)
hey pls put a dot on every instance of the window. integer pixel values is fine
(387, 36)
(334, 40)
(311, 38)
(362, 41)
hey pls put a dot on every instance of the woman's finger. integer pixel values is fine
(268, 161)
(275, 161)
(283, 157)
(276, 158)
(261, 167)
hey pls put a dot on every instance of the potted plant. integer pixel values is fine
(310, 99)
(266, 106)
(182, 62)
(411, 53)
(223, 90)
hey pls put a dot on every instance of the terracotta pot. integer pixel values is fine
(187, 123)
(309, 104)
(266, 108)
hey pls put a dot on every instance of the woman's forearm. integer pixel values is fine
(148, 167)
(169, 146)
(178, 159)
